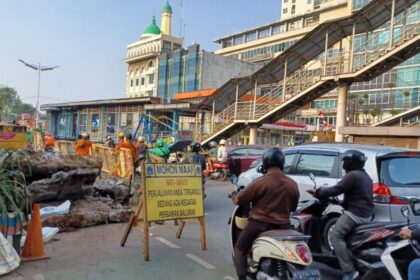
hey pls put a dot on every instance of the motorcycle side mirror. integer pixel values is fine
(312, 176)
(404, 211)
(234, 179)
(260, 169)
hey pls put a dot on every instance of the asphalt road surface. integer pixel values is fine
(95, 253)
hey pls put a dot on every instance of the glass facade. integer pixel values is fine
(179, 72)
(267, 50)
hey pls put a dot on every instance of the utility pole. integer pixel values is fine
(38, 68)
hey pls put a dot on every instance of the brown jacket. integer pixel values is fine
(273, 196)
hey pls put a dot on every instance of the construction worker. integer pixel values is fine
(83, 145)
(125, 143)
(121, 137)
(49, 141)
(141, 150)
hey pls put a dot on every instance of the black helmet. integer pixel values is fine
(273, 157)
(353, 159)
(195, 147)
(212, 144)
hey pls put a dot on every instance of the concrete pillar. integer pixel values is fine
(341, 110)
(253, 134)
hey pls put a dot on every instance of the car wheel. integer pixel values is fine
(326, 234)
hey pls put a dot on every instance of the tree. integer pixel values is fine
(375, 112)
(11, 106)
(394, 112)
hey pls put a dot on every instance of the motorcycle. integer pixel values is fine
(275, 254)
(398, 255)
(218, 171)
(366, 242)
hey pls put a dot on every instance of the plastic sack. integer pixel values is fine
(47, 234)
(56, 210)
(9, 259)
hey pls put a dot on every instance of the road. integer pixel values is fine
(95, 253)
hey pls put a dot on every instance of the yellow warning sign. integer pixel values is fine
(173, 191)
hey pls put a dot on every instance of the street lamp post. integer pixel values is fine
(38, 68)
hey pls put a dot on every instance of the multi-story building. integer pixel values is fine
(368, 102)
(158, 65)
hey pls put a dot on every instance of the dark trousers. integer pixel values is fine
(245, 240)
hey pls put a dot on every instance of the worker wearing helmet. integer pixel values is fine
(125, 143)
(141, 150)
(121, 136)
(83, 145)
(49, 141)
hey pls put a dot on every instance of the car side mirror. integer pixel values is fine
(234, 179)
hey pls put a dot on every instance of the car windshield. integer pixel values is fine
(401, 172)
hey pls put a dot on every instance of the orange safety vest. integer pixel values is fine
(49, 140)
(83, 147)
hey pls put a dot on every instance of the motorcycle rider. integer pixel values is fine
(274, 196)
(212, 154)
(222, 153)
(358, 206)
(414, 268)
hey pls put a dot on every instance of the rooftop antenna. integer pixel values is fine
(181, 21)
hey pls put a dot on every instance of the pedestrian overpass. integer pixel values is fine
(327, 57)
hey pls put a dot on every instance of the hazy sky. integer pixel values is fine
(88, 39)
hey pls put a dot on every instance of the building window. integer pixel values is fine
(142, 81)
(82, 123)
(309, 2)
(264, 33)
(95, 123)
(167, 45)
(285, 11)
(285, 1)
(293, 9)
(151, 79)
(137, 82)
(177, 46)
(275, 30)
(131, 83)
(311, 20)
(227, 43)
(238, 40)
(250, 37)
(110, 123)
(151, 64)
(293, 1)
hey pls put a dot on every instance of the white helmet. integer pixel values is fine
(84, 134)
(222, 142)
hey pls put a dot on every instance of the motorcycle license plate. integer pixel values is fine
(307, 274)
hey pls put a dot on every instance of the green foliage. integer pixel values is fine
(11, 106)
(14, 195)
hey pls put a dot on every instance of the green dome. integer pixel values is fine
(167, 8)
(152, 28)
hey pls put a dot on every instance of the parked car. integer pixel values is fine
(241, 157)
(395, 172)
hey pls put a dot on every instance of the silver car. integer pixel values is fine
(395, 172)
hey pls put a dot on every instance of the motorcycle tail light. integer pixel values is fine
(290, 254)
(304, 253)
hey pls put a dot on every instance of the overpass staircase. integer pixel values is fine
(322, 74)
